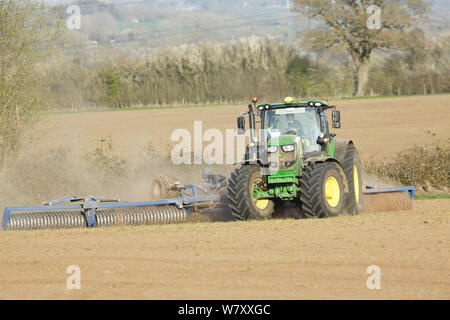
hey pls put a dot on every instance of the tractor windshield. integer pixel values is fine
(299, 121)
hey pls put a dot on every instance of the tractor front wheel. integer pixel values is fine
(322, 190)
(240, 195)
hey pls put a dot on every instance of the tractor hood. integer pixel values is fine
(282, 140)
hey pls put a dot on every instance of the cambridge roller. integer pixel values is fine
(64, 219)
(180, 204)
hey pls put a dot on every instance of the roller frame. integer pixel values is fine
(190, 196)
(372, 190)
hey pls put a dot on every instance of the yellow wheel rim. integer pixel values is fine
(261, 203)
(356, 182)
(332, 192)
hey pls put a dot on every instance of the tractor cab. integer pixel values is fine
(300, 124)
(305, 120)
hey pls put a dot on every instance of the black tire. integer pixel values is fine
(313, 195)
(353, 203)
(240, 195)
(163, 187)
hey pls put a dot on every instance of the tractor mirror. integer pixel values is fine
(336, 125)
(241, 125)
(336, 115)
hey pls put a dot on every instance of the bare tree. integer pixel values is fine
(361, 26)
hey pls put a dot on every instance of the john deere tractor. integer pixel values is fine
(293, 156)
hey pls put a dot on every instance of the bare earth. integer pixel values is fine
(278, 259)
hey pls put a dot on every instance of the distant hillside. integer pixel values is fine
(149, 24)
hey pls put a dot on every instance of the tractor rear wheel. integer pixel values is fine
(322, 190)
(353, 203)
(240, 195)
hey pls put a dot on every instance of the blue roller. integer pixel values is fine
(79, 212)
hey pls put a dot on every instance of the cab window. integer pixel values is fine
(324, 124)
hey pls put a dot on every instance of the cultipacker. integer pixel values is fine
(79, 212)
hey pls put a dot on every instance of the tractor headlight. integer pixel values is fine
(272, 149)
(273, 164)
(288, 148)
(289, 163)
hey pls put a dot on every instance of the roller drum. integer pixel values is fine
(104, 218)
(140, 215)
(46, 220)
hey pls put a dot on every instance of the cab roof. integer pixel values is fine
(310, 103)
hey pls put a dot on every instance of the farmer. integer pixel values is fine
(294, 125)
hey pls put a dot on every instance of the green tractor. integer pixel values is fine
(295, 158)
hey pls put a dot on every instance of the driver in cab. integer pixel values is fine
(294, 125)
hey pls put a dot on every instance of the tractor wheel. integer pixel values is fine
(322, 190)
(162, 188)
(240, 195)
(353, 203)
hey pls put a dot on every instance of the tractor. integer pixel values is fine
(292, 156)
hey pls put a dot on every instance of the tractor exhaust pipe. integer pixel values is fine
(252, 154)
(251, 118)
